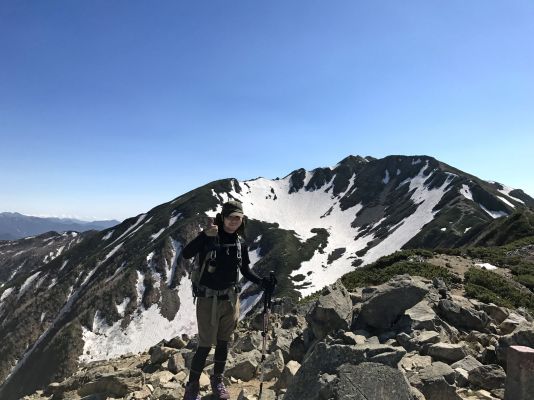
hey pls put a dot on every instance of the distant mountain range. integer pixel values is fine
(67, 298)
(17, 226)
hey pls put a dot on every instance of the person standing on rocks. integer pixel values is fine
(221, 255)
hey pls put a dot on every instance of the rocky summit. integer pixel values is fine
(401, 340)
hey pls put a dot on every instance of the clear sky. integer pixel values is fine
(109, 108)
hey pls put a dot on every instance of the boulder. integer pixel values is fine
(511, 323)
(273, 365)
(436, 382)
(520, 373)
(244, 365)
(388, 302)
(522, 336)
(327, 358)
(117, 384)
(370, 381)
(462, 377)
(447, 352)
(462, 316)
(176, 363)
(282, 339)
(161, 377)
(488, 377)
(332, 311)
(413, 362)
(422, 317)
(248, 342)
(286, 378)
(468, 363)
(177, 343)
(496, 313)
(352, 338)
(159, 355)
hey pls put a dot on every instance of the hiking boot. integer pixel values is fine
(218, 388)
(192, 390)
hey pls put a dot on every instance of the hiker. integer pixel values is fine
(221, 255)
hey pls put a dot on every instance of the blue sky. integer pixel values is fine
(109, 108)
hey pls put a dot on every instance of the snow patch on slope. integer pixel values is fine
(146, 328)
(157, 234)
(410, 226)
(505, 201)
(466, 192)
(506, 191)
(493, 214)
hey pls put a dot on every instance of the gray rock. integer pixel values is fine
(422, 317)
(390, 301)
(488, 377)
(435, 370)
(244, 365)
(414, 362)
(416, 394)
(462, 377)
(332, 311)
(117, 384)
(290, 369)
(159, 355)
(248, 342)
(496, 313)
(273, 365)
(510, 324)
(267, 394)
(447, 352)
(326, 359)
(297, 349)
(463, 317)
(426, 337)
(177, 343)
(370, 381)
(176, 363)
(282, 341)
(519, 372)
(488, 356)
(351, 338)
(436, 382)
(291, 321)
(522, 336)
(468, 363)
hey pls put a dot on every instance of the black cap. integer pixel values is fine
(232, 207)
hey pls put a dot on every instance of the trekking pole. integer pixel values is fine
(266, 313)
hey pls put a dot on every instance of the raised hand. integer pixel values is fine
(212, 229)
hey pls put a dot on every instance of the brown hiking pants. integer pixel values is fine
(216, 320)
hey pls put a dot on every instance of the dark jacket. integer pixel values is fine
(225, 274)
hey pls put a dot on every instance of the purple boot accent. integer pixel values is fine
(192, 391)
(218, 388)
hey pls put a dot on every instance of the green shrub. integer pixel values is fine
(523, 268)
(526, 280)
(500, 289)
(485, 295)
(370, 275)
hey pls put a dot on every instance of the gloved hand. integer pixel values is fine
(211, 230)
(268, 283)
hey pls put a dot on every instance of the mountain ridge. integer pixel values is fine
(14, 225)
(310, 227)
